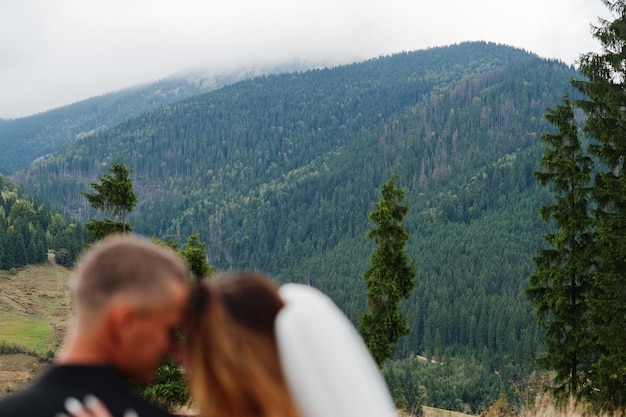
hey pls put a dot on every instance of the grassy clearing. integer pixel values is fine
(38, 289)
(17, 371)
(437, 412)
(34, 305)
(31, 333)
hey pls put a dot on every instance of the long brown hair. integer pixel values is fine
(232, 358)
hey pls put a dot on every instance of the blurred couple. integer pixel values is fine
(249, 348)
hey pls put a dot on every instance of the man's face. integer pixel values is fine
(154, 335)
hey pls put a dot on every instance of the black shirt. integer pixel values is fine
(45, 397)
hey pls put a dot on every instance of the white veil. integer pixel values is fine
(328, 368)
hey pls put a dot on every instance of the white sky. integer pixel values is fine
(56, 52)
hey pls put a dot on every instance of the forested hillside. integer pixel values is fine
(278, 173)
(29, 231)
(25, 139)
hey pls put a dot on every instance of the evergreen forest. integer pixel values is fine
(278, 173)
(25, 139)
(29, 230)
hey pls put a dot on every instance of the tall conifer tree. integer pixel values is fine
(390, 277)
(604, 88)
(561, 285)
(114, 194)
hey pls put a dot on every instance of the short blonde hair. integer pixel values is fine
(234, 367)
(128, 265)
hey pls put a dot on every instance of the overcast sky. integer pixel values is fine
(56, 52)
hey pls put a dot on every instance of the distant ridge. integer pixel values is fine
(24, 140)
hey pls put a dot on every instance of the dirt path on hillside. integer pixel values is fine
(13, 305)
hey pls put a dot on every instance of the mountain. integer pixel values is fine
(25, 139)
(279, 172)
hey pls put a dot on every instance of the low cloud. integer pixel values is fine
(55, 52)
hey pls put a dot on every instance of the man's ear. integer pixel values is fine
(119, 323)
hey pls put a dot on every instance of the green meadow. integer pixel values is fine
(27, 332)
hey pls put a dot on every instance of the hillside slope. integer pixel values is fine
(279, 172)
(25, 139)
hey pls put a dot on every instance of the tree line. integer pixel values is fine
(29, 230)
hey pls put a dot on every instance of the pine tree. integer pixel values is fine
(114, 194)
(604, 105)
(195, 255)
(390, 276)
(561, 285)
